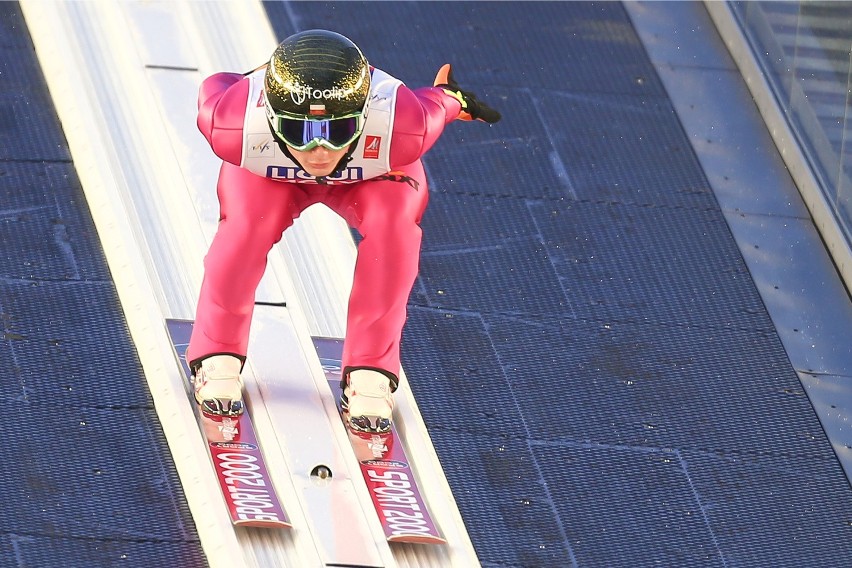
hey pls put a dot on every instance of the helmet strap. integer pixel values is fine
(347, 157)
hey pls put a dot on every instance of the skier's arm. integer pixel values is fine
(419, 120)
(221, 114)
(422, 114)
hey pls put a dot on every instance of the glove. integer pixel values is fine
(471, 107)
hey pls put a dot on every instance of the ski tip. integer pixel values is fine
(256, 524)
(417, 538)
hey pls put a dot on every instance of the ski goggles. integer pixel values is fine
(305, 134)
(302, 135)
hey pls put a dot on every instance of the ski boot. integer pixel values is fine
(218, 385)
(367, 400)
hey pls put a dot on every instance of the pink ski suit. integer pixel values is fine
(385, 207)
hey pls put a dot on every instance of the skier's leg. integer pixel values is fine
(254, 212)
(387, 213)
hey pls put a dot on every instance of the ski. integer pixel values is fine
(384, 466)
(234, 452)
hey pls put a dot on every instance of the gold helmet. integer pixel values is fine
(316, 90)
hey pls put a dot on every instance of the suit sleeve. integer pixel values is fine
(221, 114)
(419, 119)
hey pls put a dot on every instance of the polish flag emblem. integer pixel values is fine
(372, 144)
(317, 109)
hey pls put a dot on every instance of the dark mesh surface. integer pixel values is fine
(598, 374)
(88, 480)
(455, 358)
(69, 345)
(24, 550)
(666, 387)
(589, 47)
(40, 219)
(516, 524)
(456, 280)
(645, 525)
(85, 473)
(674, 266)
(625, 149)
(29, 128)
(796, 512)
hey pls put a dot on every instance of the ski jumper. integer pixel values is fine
(381, 192)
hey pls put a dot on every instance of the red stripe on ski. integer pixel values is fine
(235, 453)
(385, 467)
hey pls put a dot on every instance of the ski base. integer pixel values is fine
(384, 465)
(235, 453)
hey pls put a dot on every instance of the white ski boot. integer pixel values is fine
(368, 400)
(218, 385)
